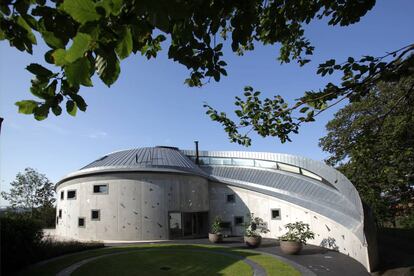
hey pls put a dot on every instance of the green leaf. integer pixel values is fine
(71, 107)
(116, 6)
(80, 102)
(57, 110)
(79, 46)
(107, 67)
(81, 10)
(39, 70)
(52, 40)
(78, 72)
(26, 26)
(41, 112)
(26, 107)
(124, 47)
(59, 57)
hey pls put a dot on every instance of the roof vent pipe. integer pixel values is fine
(197, 160)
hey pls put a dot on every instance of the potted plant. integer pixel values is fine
(254, 227)
(292, 242)
(215, 235)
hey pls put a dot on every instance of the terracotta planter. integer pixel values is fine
(253, 241)
(215, 238)
(290, 247)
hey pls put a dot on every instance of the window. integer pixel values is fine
(225, 225)
(204, 160)
(62, 195)
(311, 174)
(288, 168)
(81, 222)
(238, 221)
(60, 213)
(95, 215)
(57, 220)
(71, 194)
(243, 162)
(100, 189)
(265, 164)
(231, 198)
(220, 161)
(275, 213)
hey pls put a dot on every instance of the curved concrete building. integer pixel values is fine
(161, 193)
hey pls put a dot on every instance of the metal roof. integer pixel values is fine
(331, 194)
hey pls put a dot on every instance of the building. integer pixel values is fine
(161, 193)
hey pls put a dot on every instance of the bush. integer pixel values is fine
(22, 243)
(20, 236)
(298, 232)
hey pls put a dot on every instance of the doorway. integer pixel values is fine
(188, 224)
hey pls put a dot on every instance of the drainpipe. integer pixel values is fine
(197, 161)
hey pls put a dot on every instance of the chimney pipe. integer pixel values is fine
(197, 161)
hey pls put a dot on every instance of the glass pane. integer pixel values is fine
(220, 161)
(265, 164)
(312, 175)
(288, 168)
(243, 162)
(175, 225)
(204, 160)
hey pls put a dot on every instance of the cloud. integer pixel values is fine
(97, 134)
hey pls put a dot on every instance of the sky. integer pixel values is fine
(150, 105)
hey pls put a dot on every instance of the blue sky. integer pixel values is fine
(149, 104)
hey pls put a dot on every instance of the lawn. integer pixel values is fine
(165, 259)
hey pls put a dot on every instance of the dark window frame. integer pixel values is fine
(71, 198)
(62, 195)
(84, 222)
(279, 217)
(99, 185)
(232, 200)
(99, 214)
(60, 213)
(238, 223)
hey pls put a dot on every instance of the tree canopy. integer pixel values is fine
(88, 37)
(372, 143)
(30, 190)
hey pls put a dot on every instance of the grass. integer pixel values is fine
(166, 262)
(166, 255)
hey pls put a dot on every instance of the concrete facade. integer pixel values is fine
(135, 207)
(328, 233)
(163, 193)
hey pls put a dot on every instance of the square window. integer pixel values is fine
(100, 189)
(71, 194)
(238, 221)
(81, 222)
(225, 225)
(95, 215)
(231, 198)
(62, 195)
(275, 213)
(60, 213)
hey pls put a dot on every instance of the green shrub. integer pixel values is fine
(298, 232)
(216, 226)
(20, 236)
(22, 243)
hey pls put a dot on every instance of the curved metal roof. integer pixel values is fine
(298, 180)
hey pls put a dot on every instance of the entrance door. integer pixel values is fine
(176, 228)
(190, 225)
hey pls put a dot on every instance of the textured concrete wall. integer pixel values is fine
(135, 208)
(327, 233)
